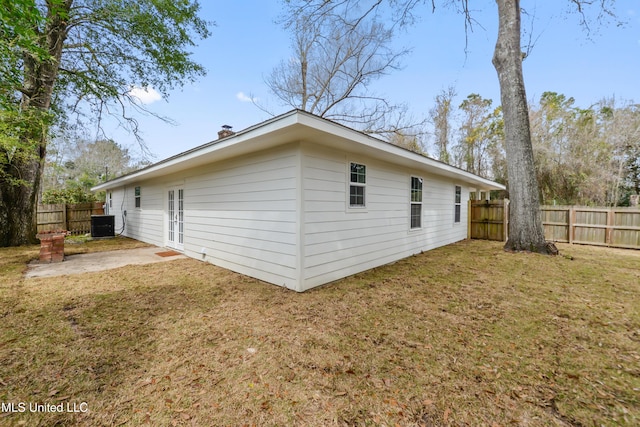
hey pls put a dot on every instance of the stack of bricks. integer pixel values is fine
(51, 247)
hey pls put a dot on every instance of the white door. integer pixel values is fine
(175, 218)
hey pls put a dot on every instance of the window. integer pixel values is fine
(137, 197)
(457, 203)
(357, 186)
(416, 202)
(110, 199)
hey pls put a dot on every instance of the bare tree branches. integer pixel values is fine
(603, 12)
(340, 49)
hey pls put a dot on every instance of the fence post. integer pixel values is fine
(469, 213)
(609, 230)
(505, 219)
(65, 217)
(571, 220)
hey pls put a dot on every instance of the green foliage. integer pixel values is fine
(80, 57)
(631, 145)
(480, 147)
(115, 45)
(15, 148)
(72, 194)
(582, 155)
(74, 167)
(109, 46)
(19, 20)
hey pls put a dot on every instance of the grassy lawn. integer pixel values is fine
(462, 335)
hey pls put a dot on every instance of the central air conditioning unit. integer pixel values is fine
(103, 225)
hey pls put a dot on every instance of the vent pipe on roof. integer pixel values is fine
(225, 132)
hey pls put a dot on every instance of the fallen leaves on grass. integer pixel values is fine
(463, 335)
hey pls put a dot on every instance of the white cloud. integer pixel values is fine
(145, 96)
(245, 98)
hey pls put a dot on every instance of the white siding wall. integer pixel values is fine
(144, 223)
(243, 213)
(118, 205)
(283, 216)
(339, 241)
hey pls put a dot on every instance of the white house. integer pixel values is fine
(297, 201)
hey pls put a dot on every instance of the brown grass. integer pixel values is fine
(463, 335)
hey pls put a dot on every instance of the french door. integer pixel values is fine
(175, 218)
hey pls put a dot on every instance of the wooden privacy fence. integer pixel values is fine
(487, 219)
(615, 227)
(74, 218)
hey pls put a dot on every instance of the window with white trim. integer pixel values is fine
(357, 185)
(416, 202)
(137, 196)
(458, 203)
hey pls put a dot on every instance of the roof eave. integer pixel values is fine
(201, 154)
(288, 127)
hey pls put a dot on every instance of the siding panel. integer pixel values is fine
(146, 222)
(243, 215)
(283, 216)
(240, 213)
(340, 241)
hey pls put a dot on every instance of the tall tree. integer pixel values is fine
(60, 54)
(441, 116)
(477, 134)
(71, 172)
(632, 164)
(551, 124)
(632, 169)
(621, 133)
(335, 59)
(89, 162)
(581, 153)
(525, 224)
(525, 228)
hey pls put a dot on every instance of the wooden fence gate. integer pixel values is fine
(74, 218)
(488, 219)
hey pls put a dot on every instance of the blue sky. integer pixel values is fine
(246, 44)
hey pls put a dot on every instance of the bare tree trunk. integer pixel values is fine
(19, 193)
(525, 225)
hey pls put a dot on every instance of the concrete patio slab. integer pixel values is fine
(100, 261)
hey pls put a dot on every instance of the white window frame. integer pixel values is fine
(137, 197)
(457, 205)
(351, 184)
(413, 202)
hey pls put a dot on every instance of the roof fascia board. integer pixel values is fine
(196, 156)
(417, 160)
(272, 132)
